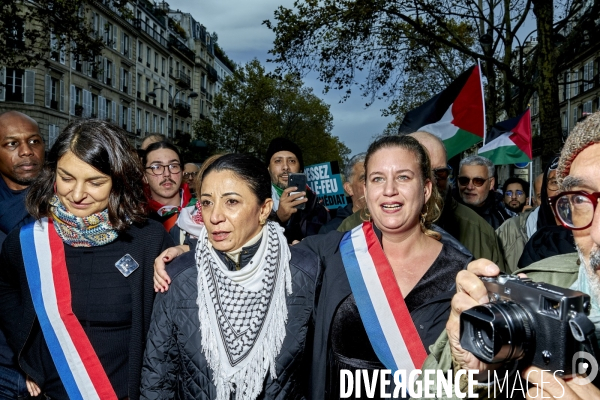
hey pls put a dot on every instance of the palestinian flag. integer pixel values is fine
(456, 115)
(509, 141)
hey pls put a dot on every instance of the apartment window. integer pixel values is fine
(108, 33)
(94, 105)
(587, 107)
(14, 84)
(148, 55)
(53, 132)
(164, 66)
(155, 62)
(139, 50)
(162, 126)
(147, 89)
(125, 82)
(138, 120)
(154, 123)
(125, 45)
(139, 86)
(575, 84)
(147, 122)
(109, 73)
(588, 75)
(574, 115)
(55, 93)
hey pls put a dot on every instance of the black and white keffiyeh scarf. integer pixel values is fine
(243, 313)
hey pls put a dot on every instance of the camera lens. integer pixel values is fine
(496, 332)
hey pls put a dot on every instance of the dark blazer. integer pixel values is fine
(17, 314)
(429, 318)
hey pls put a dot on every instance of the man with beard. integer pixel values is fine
(166, 194)
(21, 160)
(576, 206)
(284, 157)
(516, 194)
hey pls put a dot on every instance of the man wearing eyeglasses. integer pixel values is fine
(576, 207)
(190, 170)
(516, 194)
(166, 194)
(475, 190)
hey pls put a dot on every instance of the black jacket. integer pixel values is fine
(18, 317)
(175, 366)
(305, 222)
(341, 214)
(429, 319)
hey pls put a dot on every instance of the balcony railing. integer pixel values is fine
(182, 108)
(181, 47)
(183, 79)
(153, 33)
(212, 73)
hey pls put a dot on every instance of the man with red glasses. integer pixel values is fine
(576, 207)
(475, 188)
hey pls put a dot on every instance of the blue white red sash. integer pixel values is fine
(380, 303)
(76, 361)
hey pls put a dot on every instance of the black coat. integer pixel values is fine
(306, 222)
(429, 319)
(17, 314)
(174, 364)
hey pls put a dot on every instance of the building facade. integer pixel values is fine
(155, 75)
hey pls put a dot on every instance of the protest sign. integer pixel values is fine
(326, 182)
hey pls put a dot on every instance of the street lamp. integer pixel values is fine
(192, 95)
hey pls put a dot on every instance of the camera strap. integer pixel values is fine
(584, 331)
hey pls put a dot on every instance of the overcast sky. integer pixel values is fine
(238, 23)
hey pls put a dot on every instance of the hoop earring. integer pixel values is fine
(262, 222)
(424, 215)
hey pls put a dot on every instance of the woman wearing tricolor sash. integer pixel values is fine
(76, 289)
(237, 318)
(386, 287)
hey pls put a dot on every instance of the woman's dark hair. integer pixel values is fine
(105, 147)
(249, 169)
(433, 206)
(156, 146)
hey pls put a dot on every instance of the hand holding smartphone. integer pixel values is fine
(298, 180)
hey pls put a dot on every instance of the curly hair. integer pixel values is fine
(432, 208)
(104, 146)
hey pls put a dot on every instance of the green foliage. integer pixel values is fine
(254, 107)
(26, 28)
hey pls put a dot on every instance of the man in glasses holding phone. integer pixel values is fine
(475, 187)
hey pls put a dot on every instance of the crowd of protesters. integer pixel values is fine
(133, 273)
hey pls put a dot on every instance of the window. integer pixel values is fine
(57, 53)
(587, 108)
(20, 85)
(138, 120)
(53, 132)
(109, 73)
(147, 89)
(139, 50)
(148, 56)
(162, 126)
(574, 84)
(108, 33)
(125, 82)
(574, 115)
(164, 66)
(154, 123)
(125, 118)
(535, 104)
(139, 84)
(588, 75)
(55, 93)
(147, 122)
(155, 62)
(125, 45)
(94, 106)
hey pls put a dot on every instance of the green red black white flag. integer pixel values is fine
(456, 115)
(509, 141)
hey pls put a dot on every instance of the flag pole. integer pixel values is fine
(531, 181)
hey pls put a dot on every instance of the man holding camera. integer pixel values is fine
(578, 174)
(296, 209)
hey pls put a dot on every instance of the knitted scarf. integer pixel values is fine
(93, 230)
(243, 313)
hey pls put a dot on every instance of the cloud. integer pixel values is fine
(238, 24)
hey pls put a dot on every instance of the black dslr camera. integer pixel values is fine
(534, 323)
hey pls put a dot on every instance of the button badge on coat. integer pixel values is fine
(126, 265)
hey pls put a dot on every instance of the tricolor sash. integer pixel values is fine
(76, 361)
(380, 303)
